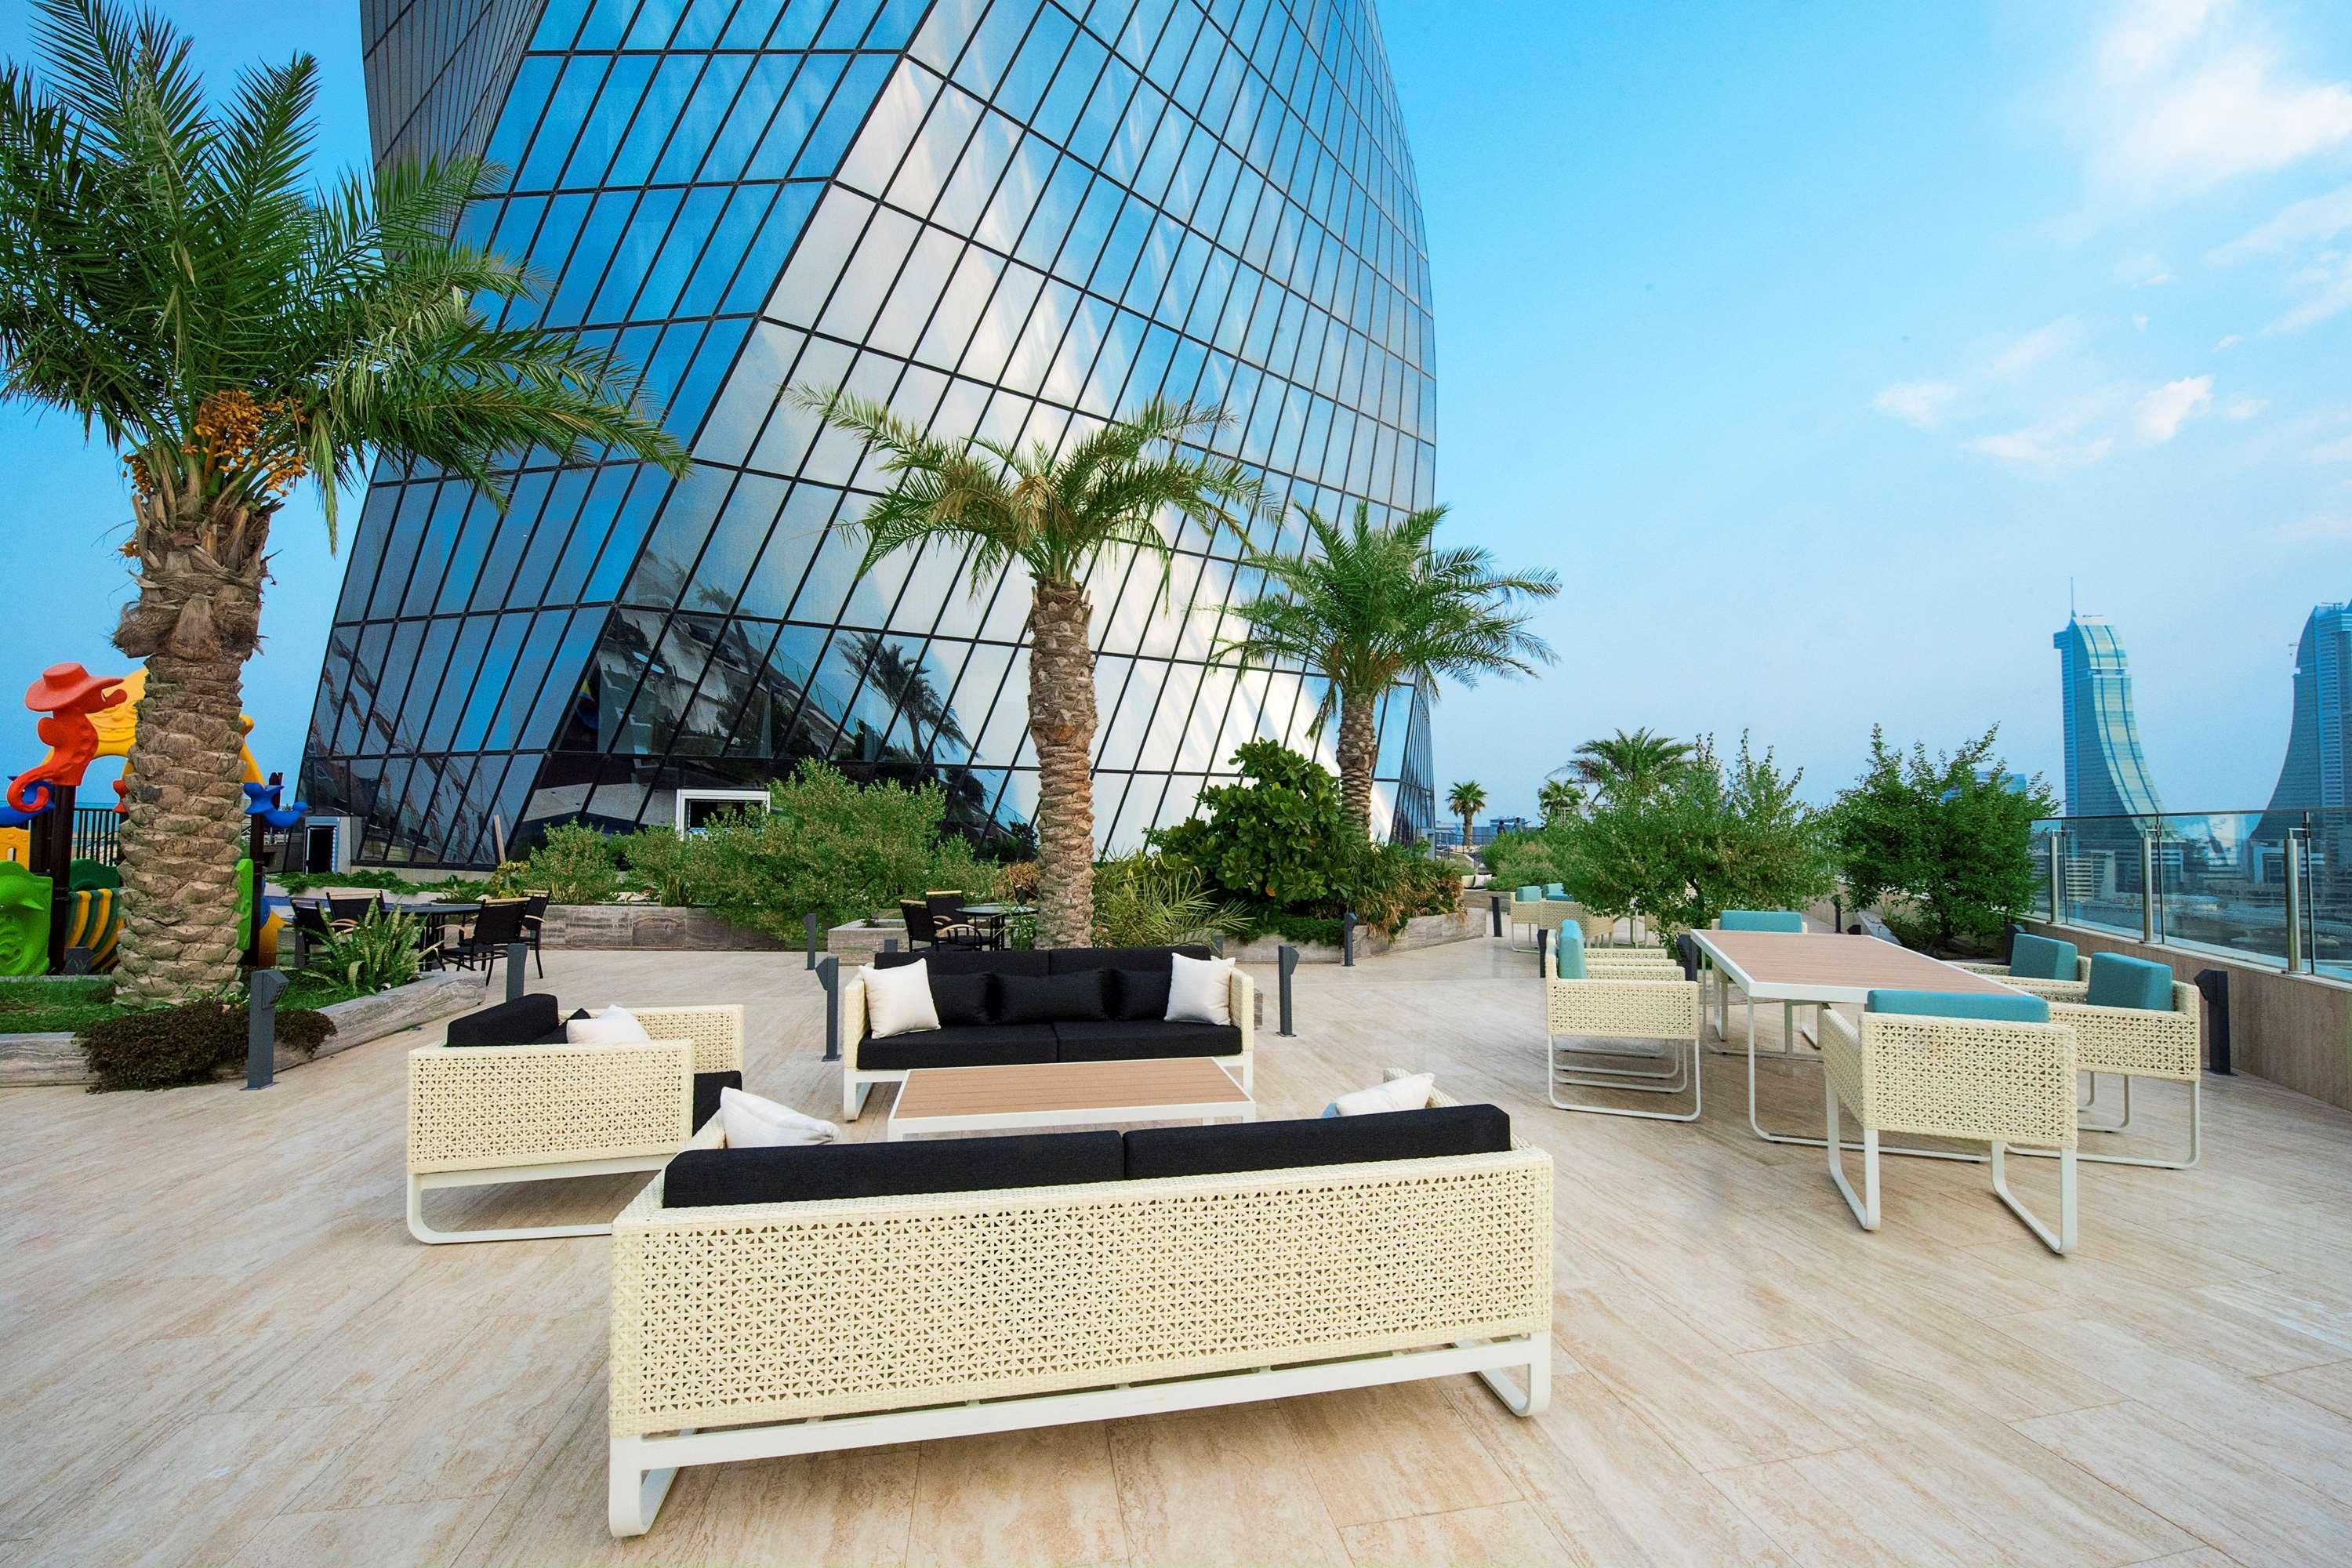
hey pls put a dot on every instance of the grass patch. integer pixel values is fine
(46, 1006)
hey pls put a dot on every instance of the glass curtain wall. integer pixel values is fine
(1008, 218)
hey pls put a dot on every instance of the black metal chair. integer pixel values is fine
(495, 928)
(345, 913)
(534, 922)
(950, 927)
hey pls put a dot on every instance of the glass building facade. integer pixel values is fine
(1012, 218)
(2312, 774)
(2107, 772)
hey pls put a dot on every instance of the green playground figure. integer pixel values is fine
(24, 920)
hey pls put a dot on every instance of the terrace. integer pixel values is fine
(224, 1348)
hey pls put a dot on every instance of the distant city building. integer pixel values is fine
(2107, 772)
(2313, 775)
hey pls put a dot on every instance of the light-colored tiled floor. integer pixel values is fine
(218, 1345)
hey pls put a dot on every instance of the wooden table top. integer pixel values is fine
(1065, 1086)
(1824, 965)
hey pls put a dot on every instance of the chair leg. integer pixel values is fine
(540, 964)
(1535, 1398)
(2063, 1242)
(1555, 1077)
(634, 1494)
(2186, 1162)
(1866, 1209)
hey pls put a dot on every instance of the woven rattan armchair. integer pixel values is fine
(763, 1329)
(483, 1115)
(2135, 1042)
(1629, 1000)
(2002, 1082)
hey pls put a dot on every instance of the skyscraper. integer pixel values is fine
(1013, 218)
(2107, 774)
(2312, 774)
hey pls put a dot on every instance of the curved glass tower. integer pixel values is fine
(1013, 218)
(2312, 774)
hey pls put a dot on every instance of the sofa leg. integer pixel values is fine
(853, 1098)
(426, 1233)
(635, 1493)
(1535, 1398)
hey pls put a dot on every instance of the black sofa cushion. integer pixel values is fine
(1071, 960)
(1139, 995)
(529, 1020)
(701, 1178)
(707, 1085)
(971, 961)
(1132, 1039)
(978, 1045)
(963, 1000)
(1323, 1140)
(1054, 998)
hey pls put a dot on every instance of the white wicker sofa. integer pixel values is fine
(989, 1038)
(485, 1113)
(749, 1331)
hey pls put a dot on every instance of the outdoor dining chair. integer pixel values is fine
(534, 926)
(1593, 1003)
(495, 928)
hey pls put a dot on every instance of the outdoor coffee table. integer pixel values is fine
(1065, 1094)
(1819, 969)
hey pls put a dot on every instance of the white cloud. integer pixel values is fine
(2158, 417)
(2140, 323)
(2036, 349)
(2326, 285)
(2060, 439)
(2145, 272)
(2191, 95)
(2318, 525)
(2241, 409)
(2223, 346)
(1925, 403)
(2310, 221)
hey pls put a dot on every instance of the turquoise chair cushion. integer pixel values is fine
(1762, 920)
(1555, 890)
(1556, 897)
(2120, 982)
(1529, 895)
(2008, 1008)
(1572, 953)
(2042, 958)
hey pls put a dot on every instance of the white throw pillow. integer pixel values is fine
(898, 1001)
(616, 1026)
(1397, 1094)
(752, 1123)
(1200, 990)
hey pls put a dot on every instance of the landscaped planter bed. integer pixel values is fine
(665, 928)
(1421, 931)
(29, 1061)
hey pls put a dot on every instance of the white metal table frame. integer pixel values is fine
(1791, 995)
(900, 1128)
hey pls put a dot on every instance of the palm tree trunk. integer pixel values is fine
(1358, 753)
(1062, 723)
(195, 621)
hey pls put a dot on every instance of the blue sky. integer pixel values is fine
(1816, 346)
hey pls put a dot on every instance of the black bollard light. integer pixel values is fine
(889, 944)
(1287, 962)
(828, 974)
(517, 955)
(1543, 963)
(1495, 913)
(261, 1027)
(808, 935)
(1348, 940)
(2215, 984)
(77, 961)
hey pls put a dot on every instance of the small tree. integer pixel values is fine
(1558, 800)
(1625, 767)
(1281, 836)
(1465, 801)
(1952, 834)
(1699, 842)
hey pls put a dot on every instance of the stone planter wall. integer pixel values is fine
(30, 1061)
(857, 942)
(654, 927)
(1464, 924)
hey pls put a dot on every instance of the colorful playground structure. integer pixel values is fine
(52, 903)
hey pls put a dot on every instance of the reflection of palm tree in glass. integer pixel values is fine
(906, 683)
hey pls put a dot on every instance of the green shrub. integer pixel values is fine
(1299, 930)
(1527, 859)
(1144, 901)
(376, 954)
(575, 864)
(163, 1046)
(832, 847)
(1949, 835)
(663, 863)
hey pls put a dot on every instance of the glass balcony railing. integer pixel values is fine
(2265, 887)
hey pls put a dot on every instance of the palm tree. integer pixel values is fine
(1057, 513)
(169, 274)
(1626, 767)
(1368, 607)
(1558, 800)
(1467, 801)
